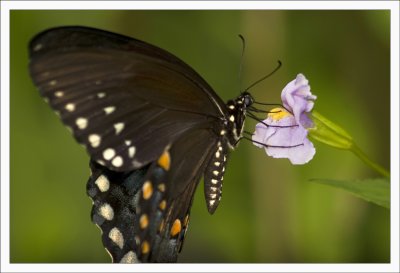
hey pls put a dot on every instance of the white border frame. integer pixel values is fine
(180, 5)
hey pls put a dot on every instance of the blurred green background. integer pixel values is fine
(270, 211)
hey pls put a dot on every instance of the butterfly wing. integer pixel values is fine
(114, 210)
(125, 100)
(149, 123)
(142, 216)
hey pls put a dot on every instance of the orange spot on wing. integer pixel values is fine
(176, 227)
(163, 205)
(147, 190)
(145, 247)
(144, 221)
(165, 161)
(161, 187)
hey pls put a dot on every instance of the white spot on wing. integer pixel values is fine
(116, 236)
(213, 195)
(102, 183)
(117, 161)
(81, 123)
(94, 140)
(128, 142)
(53, 82)
(109, 109)
(215, 173)
(217, 154)
(38, 47)
(129, 258)
(119, 127)
(101, 162)
(216, 163)
(232, 118)
(231, 107)
(106, 211)
(136, 164)
(70, 107)
(214, 181)
(108, 153)
(101, 95)
(212, 202)
(132, 151)
(59, 94)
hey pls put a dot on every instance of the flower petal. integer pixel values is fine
(284, 133)
(297, 155)
(284, 142)
(297, 97)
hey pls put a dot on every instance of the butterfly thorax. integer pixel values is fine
(236, 116)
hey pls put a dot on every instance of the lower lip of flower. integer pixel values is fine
(278, 114)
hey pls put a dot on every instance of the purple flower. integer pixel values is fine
(284, 133)
(297, 99)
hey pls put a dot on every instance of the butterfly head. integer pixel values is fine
(236, 116)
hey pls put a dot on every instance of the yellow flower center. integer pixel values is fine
(278, 113)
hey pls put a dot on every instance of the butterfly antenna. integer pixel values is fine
(263, 78)
(241, 60)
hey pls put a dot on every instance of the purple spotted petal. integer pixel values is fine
(297, 98)
(284, 142)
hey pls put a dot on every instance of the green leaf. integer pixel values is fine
(375, 190)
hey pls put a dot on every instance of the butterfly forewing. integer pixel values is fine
(113, 91)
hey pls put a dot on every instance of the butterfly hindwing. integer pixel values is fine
(115, 196)
(172, 183)
(144, 214)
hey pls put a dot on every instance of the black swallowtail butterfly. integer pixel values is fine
(152, 127)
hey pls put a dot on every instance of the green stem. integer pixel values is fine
(358, 152)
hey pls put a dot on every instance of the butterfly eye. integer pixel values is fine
(248, 99)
